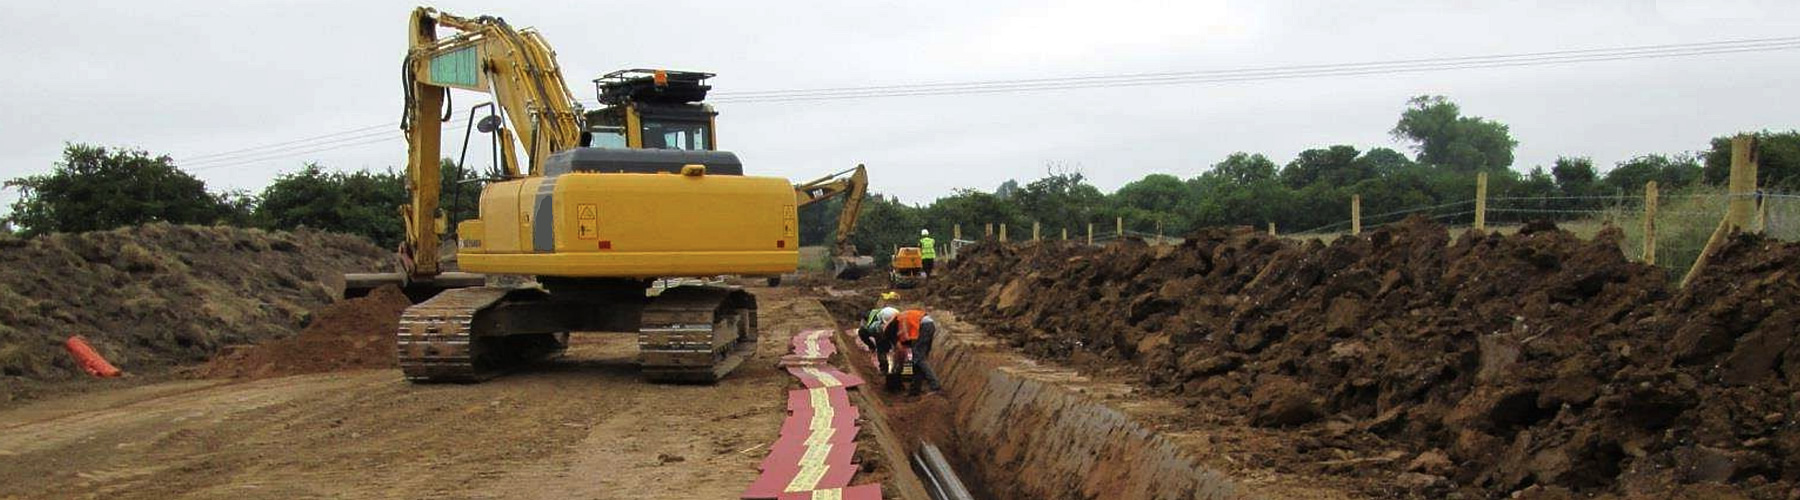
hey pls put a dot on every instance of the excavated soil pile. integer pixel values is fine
(356, 333)
(1409, 364)
(160, 295)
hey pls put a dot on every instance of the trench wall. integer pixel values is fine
(1029, 432)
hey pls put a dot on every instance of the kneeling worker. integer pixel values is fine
(914, 331)
(872, 335)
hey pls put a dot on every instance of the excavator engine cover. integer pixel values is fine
(640, 161)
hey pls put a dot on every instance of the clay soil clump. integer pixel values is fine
(354, 334)
(1411, 364)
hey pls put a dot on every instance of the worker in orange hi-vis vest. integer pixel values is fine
(913, 332)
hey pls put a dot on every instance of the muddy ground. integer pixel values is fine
(1404, 364)
(581, 427)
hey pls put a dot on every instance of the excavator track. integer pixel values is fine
(697, 334)
(437, 341)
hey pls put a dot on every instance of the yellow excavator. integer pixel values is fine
(605, 202)
(853, 186)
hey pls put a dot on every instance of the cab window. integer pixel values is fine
(684, 135)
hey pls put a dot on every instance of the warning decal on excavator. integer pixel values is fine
(788, 225)
(587, 221)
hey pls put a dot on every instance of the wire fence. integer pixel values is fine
(1683, 221)
(1673, 230)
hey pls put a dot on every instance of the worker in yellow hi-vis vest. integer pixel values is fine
(927, 250)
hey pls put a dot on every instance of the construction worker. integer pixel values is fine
(927, 250)
(872, 335)
(913, 332)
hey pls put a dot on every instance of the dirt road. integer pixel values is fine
(583, 426)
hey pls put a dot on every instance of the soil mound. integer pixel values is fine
(1488, 365)
(159, 295)
(355, 333)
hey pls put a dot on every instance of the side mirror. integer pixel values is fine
(488, 124)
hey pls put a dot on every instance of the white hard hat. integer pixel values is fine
(887, 314)
(924, 232)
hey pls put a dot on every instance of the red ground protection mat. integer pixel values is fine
(812, 457)
(859, 492)
(808, 362)
(814, 344)
(815, 448)
(823, 376)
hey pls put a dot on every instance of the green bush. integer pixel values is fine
(96, 188)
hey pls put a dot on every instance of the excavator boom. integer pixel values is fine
(853, 185)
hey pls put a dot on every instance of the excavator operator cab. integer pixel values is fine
(652, 109)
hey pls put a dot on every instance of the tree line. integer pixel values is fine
(1314, 190)
(97, 188)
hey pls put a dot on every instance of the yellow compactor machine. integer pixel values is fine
(604, 202)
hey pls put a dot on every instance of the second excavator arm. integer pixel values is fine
(853, 185)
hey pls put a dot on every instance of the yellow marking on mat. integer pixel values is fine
(822, 415)
(831, 494)
(820, 436)
(827, 379)
(812, 469)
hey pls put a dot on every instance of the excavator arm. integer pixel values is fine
(853, 185)
(485, 54)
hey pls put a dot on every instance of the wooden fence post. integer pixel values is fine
(1159, 231)
(1065, 234)
(1271, 229)
(1355, 214)
(1650, 195)
(1090, 233)
(956, 232)
(1118, 227)
(1036, 229)
(1003, 231)
(1481, 200)
(1762, 214)
(990, 231)
(1741, 205)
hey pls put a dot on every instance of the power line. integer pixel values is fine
(290, 155)
(1245, 76)
(360, 136)
(276, 144)
(322, 147)
(290, 149)
(1177, 74)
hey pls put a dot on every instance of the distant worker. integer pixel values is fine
(872, 335)
(913, 331)
(927, 250)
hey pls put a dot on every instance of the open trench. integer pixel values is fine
(1016, 429)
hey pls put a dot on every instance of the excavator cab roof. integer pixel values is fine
(652, 86)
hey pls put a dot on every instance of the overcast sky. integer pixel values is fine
(193, 78)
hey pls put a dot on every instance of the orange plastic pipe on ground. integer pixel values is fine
(89, 359)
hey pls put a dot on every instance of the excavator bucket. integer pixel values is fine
(417, 289)
(853, 267)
